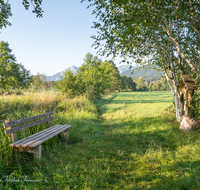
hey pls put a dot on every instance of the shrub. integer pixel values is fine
(194, 109)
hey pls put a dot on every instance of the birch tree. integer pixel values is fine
(160, 32)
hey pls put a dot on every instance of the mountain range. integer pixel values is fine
(123, 70)
(141, 73)
(57, 75)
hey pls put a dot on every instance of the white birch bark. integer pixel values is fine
(178, 106)
(178, 103)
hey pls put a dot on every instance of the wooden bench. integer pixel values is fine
(33, 143)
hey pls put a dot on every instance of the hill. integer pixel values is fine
(149, 75)
(123, 68)
(57, 75)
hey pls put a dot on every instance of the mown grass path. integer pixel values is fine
(134, 143)
(136, 137)
(142, 147)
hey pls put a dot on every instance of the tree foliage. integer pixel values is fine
(141, 86)
(128, 84)
(138, 28)
(26, 77)
(161, 33)
(92, 78)
(39, 82)
(115, 81)
(5, 13)
(68, 84)
(36, 4)
(12, 75)
(5, 10)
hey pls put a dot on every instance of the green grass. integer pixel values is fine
(126, 141)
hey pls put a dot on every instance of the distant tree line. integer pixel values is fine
(94, 78)
(40, 82)
(159, 85)
(158, 34)
(165, 32)
(12, 74)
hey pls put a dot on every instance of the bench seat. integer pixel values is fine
(33, 143)
(40, 137)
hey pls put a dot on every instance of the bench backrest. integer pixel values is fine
(11, 126)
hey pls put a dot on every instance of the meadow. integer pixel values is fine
(129, 140)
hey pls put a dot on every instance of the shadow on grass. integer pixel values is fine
(119, 102)
(101, 102)
(134, 135)
(119, 154)
(130, 143)
(181, 175)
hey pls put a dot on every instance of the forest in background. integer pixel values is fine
(130, 140)
(94, 78)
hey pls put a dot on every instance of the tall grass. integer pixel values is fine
(79, 112)
(129, 140)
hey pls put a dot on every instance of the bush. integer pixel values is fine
(194, 109)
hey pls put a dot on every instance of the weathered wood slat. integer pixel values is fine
(190, 86)
(43, 135)
(25, 126)
(13, 136)
(28, 119)
(20, 149)
(189, 82)
(33, 143)
(41, 140)
(32, 137)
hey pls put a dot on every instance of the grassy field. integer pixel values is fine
(126, 141)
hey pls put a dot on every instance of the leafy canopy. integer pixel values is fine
(12, 74)
(5, 10)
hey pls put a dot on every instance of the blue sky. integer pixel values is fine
(55, 42)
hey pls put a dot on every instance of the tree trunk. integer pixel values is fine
(178, 106)
(177, 98)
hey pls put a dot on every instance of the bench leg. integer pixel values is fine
(66, 134)
(37, 151)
